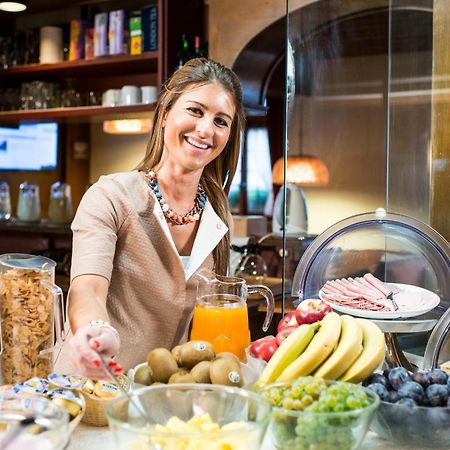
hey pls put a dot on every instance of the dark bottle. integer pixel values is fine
(183, 54)
(199, 50)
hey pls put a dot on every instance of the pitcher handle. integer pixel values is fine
(58, 310)
(268, 295)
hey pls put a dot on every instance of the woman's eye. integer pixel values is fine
(194, 110)
(221, 122)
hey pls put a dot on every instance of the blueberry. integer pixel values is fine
(421, 378)
(409, 402)
(437, 376)
(437, 395)
(393, 397)
(448, 385)
(377, 378)
(380, 390)
(411, 389)
(398, 376)
(448, 402)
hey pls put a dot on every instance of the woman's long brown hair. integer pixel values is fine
(218, 174)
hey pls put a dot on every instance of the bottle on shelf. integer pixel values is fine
(199, 49)
(183, 54)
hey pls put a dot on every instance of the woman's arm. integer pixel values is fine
(87, 300)
(89, 323)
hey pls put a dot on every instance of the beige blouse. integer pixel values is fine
(120, 233)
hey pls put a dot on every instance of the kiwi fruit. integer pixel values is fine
(143, 376)
(194, 352)
(228, 355)
(200, 372)
(162, 364)
(181, 377)
(176, 353)
(226, 371)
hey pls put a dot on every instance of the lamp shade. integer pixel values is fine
(127, 126)
(301, 171)
(14, 6)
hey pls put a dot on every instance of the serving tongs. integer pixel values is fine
(390, 296)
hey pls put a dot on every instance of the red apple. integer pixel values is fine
(284, 333)
(288, 320)
(311, 310)
(264, 348)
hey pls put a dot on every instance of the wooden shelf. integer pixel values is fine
(63, 114)
(111, 65)
(41, 227)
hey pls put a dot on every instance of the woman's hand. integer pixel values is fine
(87, 343)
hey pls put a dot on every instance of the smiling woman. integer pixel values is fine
(139, 236)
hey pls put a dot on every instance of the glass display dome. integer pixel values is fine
(393, 247)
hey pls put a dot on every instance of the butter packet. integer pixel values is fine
(67, 399)
(61, 381)
(103, 389)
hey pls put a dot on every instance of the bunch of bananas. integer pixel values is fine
(337, 348)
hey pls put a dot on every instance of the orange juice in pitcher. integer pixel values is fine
(223, 322)
(220, 313)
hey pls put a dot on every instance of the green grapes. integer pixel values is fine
(326, 431)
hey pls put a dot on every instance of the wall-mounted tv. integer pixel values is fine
(29, 147)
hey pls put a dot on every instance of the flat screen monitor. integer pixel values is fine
(29, 147)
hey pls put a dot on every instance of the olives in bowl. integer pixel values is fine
(414, 408)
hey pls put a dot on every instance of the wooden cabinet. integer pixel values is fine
(110, 72)
(175, 17)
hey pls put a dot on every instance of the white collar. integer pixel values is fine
(210, 231)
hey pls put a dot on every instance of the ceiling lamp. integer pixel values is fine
(127, 126)
(13, 6)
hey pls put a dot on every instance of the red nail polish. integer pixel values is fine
(96, 362)
(112, 364)
(118, 369)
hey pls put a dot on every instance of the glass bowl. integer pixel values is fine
(49, 431)
(239, 418)
(307, 430)
(418, 426)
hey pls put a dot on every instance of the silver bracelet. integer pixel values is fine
(104, 324)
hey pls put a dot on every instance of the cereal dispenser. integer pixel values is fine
(31, 313)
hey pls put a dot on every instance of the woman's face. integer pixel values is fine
(197, 127)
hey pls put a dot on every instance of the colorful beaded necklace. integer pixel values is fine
(178, 219)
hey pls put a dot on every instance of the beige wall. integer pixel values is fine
(113, 153)
(233, 23)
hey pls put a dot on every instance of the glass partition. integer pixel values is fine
(367, 86)
(359, 79)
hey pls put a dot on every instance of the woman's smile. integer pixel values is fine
(197, 144)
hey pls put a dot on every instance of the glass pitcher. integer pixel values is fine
(60, 204)
(31, 311)
(5, 201)
(29, 206)
(220, 313)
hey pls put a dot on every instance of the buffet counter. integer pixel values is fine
(94, 438)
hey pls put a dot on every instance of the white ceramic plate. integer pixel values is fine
(412, 301)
